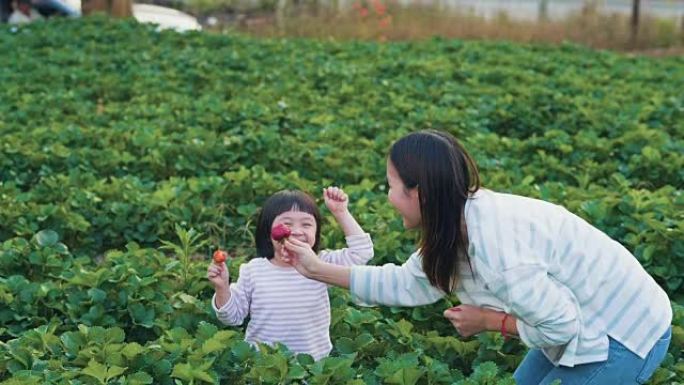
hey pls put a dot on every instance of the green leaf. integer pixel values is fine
(114, 371)
(72, 341)
(296, 373)
(141, 315)
(96, 370)
(205, 330)
(132, 350)
(203, 376)
(115, 335)
(406, 376)
(139, 378)
(305, 359)
(363, 340)
(46, 238)
(345, 345)
(97, 295)
(183, 371)
(213, 345)
(242, 351)
(485, 371)
(218, 342)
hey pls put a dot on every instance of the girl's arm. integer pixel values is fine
(231, 304)
(359, 248)
(359, 251)
(218, 275)
(338, 204)
(221, 296)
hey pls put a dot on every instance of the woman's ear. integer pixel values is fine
(414, 193)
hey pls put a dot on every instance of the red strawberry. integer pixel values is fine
(220, 256)
(280, 232)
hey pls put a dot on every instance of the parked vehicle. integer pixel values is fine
(166, 18)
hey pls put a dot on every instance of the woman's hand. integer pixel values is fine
(301, 256)
(467, 319)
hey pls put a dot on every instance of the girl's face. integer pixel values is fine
(302, 226)
(405, 201)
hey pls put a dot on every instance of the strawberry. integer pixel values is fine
(280, 232)
(220, 256)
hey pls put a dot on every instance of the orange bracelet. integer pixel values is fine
(503, 326)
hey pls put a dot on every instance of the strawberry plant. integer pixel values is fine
(127, 151)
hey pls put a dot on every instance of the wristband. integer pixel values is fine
(503, 326)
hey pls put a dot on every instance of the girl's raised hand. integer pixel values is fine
(301, 256)
(336, 200)
(218, 275)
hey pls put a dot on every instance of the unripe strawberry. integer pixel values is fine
(280, 232)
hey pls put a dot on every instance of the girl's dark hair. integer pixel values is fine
(277, 204)
(445, 175)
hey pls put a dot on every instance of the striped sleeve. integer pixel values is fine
(233, 313)
(359, 251)
(393, 285)
(547, 315)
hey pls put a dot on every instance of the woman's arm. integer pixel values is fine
(547, 312)
(331, 274)
(309, 265)
(392, 285)
(470, 320)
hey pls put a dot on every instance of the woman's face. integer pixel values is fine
(302, 226)
(404, 200)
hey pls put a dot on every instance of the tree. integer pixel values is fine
(636, 5)
(114, 8)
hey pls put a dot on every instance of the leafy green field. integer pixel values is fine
(116, 137)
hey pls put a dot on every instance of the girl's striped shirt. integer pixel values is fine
(286, 307)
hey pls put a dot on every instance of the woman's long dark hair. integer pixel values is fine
(276, 204)
(445, 175)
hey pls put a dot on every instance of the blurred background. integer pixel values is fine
(654, 26)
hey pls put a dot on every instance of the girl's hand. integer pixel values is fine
(218, 275)
(338, 204)
(301, 256)
(467, 319)
(336, 200)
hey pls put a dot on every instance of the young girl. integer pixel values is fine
(283, 305)
(583, 304)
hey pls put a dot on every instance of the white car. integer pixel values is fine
(166, 18)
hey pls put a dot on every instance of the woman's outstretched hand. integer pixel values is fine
(301, 256)
(304, 259)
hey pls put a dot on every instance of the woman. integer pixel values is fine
(585, 307)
